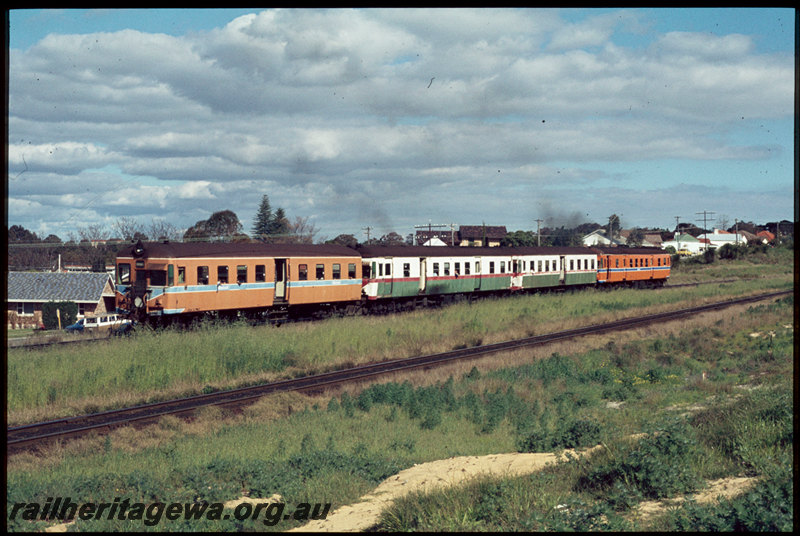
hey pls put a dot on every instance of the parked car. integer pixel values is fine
(100, 323)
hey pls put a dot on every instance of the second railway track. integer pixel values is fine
(31, 435)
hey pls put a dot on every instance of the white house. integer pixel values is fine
(598, 237)
(719, 238)
(684, 242)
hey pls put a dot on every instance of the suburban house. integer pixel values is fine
(719, 238)
(599, 237)
(481, 235)
(28, 291)
(684, 242)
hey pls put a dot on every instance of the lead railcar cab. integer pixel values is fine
(171, 280)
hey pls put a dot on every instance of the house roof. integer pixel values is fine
(476, 231)
(56, 286)
(227, 249)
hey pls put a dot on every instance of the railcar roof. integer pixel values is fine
(629, 251)
(238, 249)
(449, 251)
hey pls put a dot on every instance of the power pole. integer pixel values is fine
(677, 233)
(367, 229)
(706, 215)
(538, 233)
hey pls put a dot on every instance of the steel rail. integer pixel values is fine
(25, 435)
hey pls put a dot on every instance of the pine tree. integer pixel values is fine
(262, 225)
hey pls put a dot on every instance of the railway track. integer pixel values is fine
(31, 435)
(37, 342)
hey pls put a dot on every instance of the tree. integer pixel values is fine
(392, 239)
(520, 239)
(127, 228)
(636, 237)
(301, 231)
(262, 224)
(18, 233)
(280, 223)
(344, 240)
(613, 226)
(221, 225)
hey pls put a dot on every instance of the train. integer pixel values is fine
(159, 282)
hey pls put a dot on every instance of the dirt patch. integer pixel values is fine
(426, 477)
(365, 514)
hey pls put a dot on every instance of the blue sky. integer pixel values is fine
(394, 118)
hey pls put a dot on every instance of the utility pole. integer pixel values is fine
(538, 233)
(367, 229)
(677, 233)
(706, 215)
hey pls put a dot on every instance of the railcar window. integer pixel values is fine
(502, 267)
(540, 267)
(366, 271)
(302, 272)
(124, 273)
(406, 269)
(457, 268)
(202, 275)
(388, 270)
(170, 275)
(181, 275)
(546, 266)
(435, 268)
(477, 267)
(261, 273)
(351, 270)
(447, 268)
(572, 264)
(241, 274)
(337, 271)
(320, 272)
(466, 268)
(158, 278)
(491, 267)
(222, 274)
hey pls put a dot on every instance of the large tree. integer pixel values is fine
(262, 224)
(221, 225)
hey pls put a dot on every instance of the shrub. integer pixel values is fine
(68, 311)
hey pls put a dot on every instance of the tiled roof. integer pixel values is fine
(56, 286)
(476, 231)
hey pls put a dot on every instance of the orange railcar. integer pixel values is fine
(180, 279)
(632, 265)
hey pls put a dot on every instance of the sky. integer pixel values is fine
(392, 118)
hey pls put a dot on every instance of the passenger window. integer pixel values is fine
(466, 268)
(181, 275)
(435, 268)
(447, 268)
(337, 271)
(491, 267)
(351, 270)
(261, 273)
(320, 272)
(572, 264)
(457, 268)
(302, 272)
(241, 274)
(158, 278)
(202, 275)
(222, 274)
(124, 274)
(502, 267)
(477, 267)
(388, 270)
(406, 269)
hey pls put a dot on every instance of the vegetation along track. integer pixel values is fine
(41, 342)
(32, 435)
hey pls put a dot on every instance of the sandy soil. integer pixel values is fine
(428, 476)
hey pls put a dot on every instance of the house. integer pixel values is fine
(649, 240)
(599, 237)
(719, 238)
(28, 291)
(684, 242)
(481, 235)
(431, 237)
(765, 236)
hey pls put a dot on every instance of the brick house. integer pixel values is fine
(28, 291)
(481, 235)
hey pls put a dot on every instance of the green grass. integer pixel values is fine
(337, 449)
(60, 381)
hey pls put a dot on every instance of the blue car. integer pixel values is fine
(77, 327)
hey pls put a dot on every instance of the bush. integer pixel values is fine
(68, 312)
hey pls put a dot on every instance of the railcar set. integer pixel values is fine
(158, 282)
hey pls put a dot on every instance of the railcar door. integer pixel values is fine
(562, 270)
(280, 279)
(423, 272)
